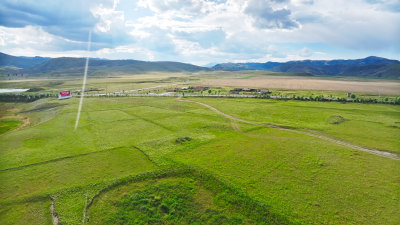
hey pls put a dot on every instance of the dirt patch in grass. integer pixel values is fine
(335, 119)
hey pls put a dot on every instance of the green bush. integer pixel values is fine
(182, 139)
(335, 119)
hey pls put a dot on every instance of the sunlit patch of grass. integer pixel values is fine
(8, 124)
(304, 177)
(362, 121)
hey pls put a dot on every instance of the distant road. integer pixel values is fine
(174, 94)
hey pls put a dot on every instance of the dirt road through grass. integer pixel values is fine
(339, 142)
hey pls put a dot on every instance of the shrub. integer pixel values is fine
(182, 139)
(335, 119)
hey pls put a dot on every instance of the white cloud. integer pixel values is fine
(125, 52)
(187, 6)
(202, 31)
(108, 17)
(275, 52)
(29, 35)
(305, 52)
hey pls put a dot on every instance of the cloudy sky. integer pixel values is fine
(202, 31)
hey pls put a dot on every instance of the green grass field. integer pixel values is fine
(177, 200)
(373, 126)
(301, 177)
(8, 124)
(240, 169)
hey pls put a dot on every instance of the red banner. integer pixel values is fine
(65, 93)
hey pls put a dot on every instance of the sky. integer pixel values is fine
(202, 32)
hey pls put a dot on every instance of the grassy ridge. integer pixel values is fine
(214, 198)
(167, 201)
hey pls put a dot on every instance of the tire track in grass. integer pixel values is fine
(146, 155)
(58, 159)
(149, 121)
(80, 155)
(339, 142)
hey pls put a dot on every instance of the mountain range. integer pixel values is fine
(21, 61)
(372, 67)
(36, 66)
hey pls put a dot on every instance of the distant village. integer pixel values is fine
(236, 91)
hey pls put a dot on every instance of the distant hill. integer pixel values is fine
(75, 66)
(20, 61)
(374, 67)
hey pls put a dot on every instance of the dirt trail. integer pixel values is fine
(54, 215)
(339, 142)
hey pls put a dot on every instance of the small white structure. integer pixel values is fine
(64, 95)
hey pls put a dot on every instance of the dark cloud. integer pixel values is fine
(71, 19)
(266, 17)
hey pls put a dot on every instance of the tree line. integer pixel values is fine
(23, 97)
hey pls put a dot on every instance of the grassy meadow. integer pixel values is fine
(371, 126)
(136, 160)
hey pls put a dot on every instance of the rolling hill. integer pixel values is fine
(75, 66)
(370, 67)
(20, 61)
(374, 67)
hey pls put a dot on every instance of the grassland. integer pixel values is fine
(285, 84)
(380, 121)
(116, 167)
(303, 178)
(8, 124)
(314, 83)
(105, 84)
(175, 200)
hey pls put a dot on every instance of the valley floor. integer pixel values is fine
(199, 160)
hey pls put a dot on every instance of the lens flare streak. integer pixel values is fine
(83, 83)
